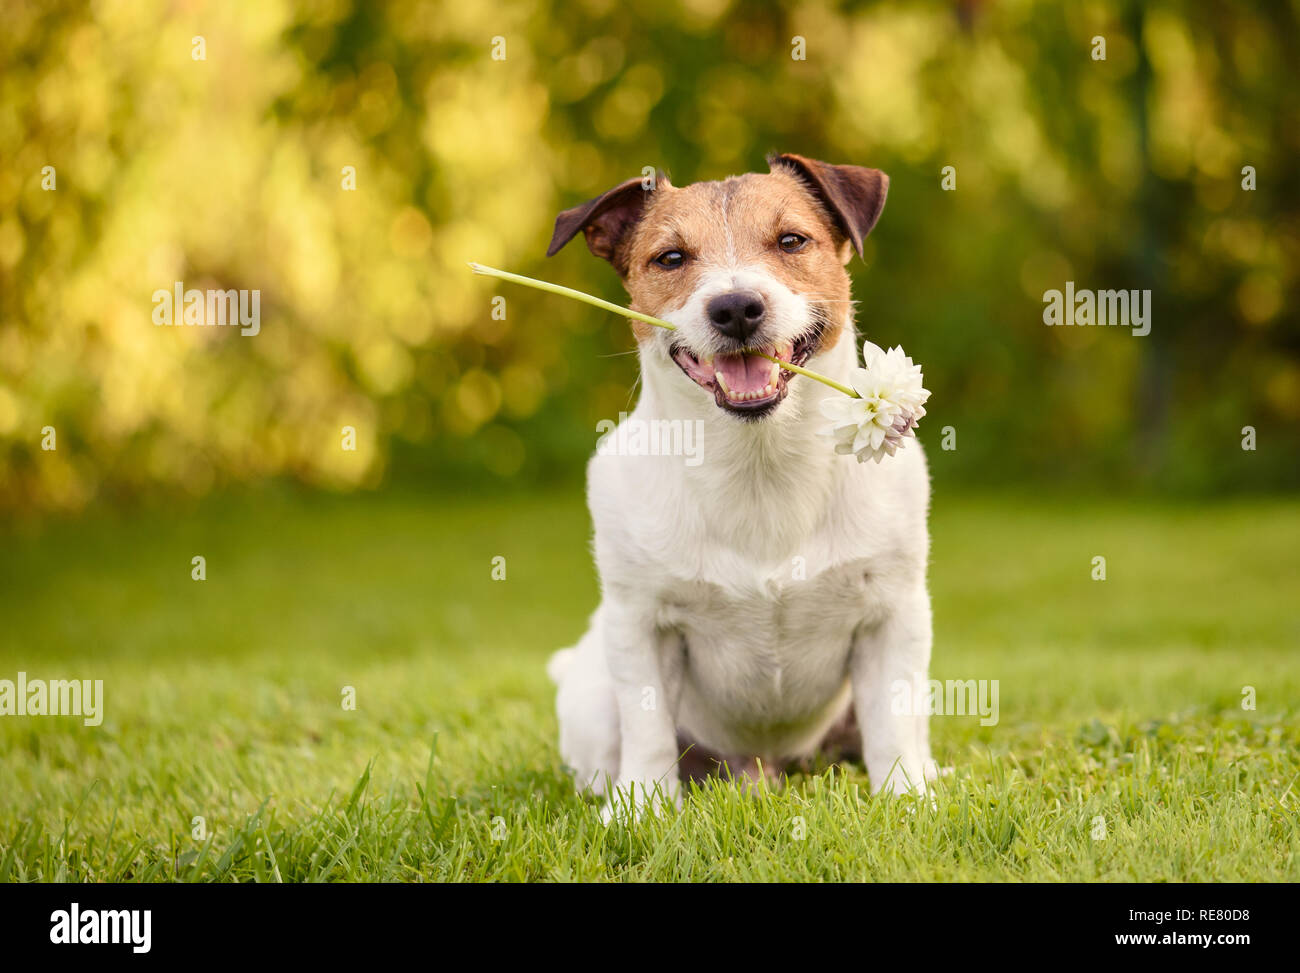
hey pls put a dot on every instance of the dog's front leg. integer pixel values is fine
(643, 664)
(890, 658)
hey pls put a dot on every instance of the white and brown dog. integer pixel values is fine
(765, 602)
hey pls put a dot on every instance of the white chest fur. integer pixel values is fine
(764, 664)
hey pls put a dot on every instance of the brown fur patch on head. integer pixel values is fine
(734, 223)
(853, 195)
(738, 221)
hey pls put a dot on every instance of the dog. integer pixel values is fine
(767, 602)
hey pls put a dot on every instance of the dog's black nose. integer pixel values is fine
(737, 314)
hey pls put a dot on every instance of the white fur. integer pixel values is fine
(704, 624)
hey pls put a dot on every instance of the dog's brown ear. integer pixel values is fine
(854, 195)
(604, 221)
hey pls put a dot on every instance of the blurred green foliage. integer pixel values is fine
(227, 172)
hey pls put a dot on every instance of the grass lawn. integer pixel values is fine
(1119, 700)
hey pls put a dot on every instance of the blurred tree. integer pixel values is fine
(466, 127)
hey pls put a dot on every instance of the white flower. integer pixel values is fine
(892, 402)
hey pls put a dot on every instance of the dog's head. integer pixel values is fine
(753, 263)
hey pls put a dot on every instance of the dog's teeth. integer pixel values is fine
(772, 375)
(722, 383)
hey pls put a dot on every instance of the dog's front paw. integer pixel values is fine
(898, 778)
(629, 801)
(900, 786)
(917, 788)
(933, 771)
(593, 783)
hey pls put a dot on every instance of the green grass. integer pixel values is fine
(1119, 699)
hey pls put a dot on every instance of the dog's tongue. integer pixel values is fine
(743, 373)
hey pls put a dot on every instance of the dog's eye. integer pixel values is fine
(791, 242)
(670, 259)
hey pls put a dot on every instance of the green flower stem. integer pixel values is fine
(569, 292)
(815, 376)
(550, 288)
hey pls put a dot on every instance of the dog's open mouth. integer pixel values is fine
(745, 382)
